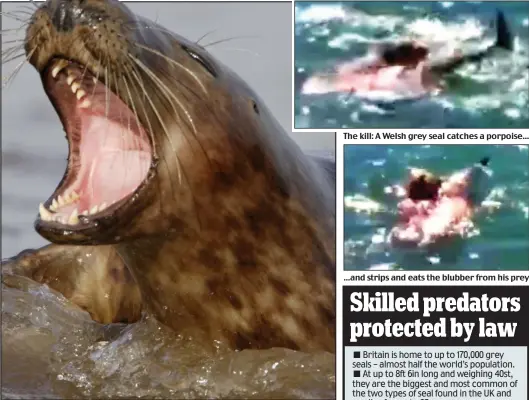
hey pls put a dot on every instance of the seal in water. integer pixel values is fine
(406, 67)
(436, 209)
(183, 197)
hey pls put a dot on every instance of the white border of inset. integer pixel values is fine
(339, 263)
(316, 130)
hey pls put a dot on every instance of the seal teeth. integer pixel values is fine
(75, 87)
(59, 66)
(64, 200)
(45, 215)
(54, 205)
(80, 94)
(70, 80)
(74, 217)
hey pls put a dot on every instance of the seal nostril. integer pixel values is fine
(64, 15)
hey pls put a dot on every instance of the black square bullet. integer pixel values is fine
(357, 374)
(356, 354)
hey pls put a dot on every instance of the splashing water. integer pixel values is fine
(52, 350)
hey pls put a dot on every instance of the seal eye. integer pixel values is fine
(254, 106)
(201, 60)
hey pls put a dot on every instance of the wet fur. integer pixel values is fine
(93, 278)
(232, 236)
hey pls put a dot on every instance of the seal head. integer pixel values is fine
(227, 228)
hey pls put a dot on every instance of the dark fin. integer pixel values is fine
(503, 34)
(93, 278)
(484, 161)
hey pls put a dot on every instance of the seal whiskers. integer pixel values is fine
(173, 62)
(17, 68)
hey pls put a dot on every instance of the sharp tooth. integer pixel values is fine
(93, 210)
(102, 207)
(44, 214)
(94, 79)
(70, 79)
(60, 200)
(85, 103)
(74, 195)
(75, 86)
(74, 218)
(58, 67)
(80, 94)
(54, 205)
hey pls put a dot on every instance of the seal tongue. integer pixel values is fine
(114, 175)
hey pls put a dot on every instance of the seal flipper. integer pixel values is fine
(93, 278)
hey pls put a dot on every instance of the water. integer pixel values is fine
(503, 239)
(52, 350)
(491, 94)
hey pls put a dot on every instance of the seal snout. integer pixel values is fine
(65, 15)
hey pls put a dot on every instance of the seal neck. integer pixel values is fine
(249, 288)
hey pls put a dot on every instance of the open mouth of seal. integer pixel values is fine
(110, 153)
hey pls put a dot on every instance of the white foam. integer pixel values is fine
(431, 29)
(345, 39)
(319, 13)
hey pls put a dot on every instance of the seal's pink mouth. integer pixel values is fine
(109, 151)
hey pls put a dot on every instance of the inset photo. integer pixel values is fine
(397, 64)
(444, 207)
